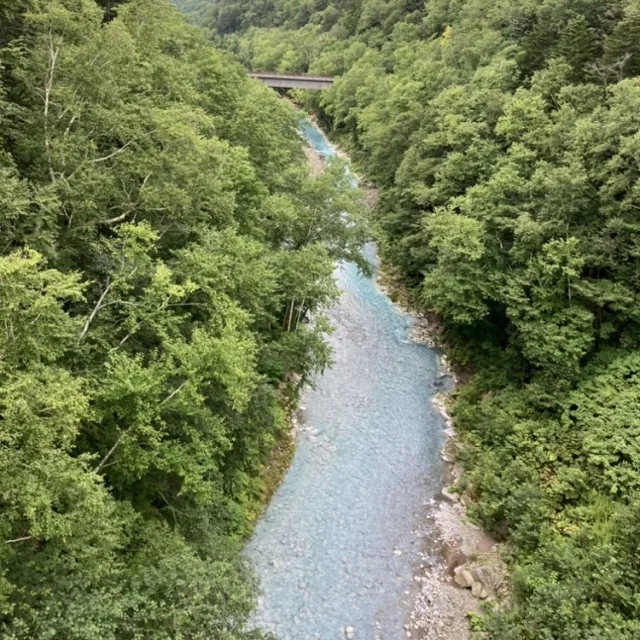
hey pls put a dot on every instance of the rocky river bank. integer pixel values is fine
(359, 541)
(469, 568)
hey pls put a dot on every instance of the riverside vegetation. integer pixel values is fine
(161, 245)
(504, 137)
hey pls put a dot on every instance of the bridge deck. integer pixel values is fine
(292, 81)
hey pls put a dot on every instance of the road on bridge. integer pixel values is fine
(292, 81)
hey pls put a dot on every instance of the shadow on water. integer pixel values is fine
(337, 545)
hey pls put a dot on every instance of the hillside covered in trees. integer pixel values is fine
(161, 247)
(504, 137)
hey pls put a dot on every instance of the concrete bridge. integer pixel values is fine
(292, 81)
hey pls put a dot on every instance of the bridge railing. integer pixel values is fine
(292, 80)
(287, 76)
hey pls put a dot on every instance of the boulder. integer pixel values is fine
(449, 495)
(349, 633)
(489, 570)
(463, 578)
(484, 575)
(480, 574)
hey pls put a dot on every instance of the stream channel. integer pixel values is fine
(339, 542)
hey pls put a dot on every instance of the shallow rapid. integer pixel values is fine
(337, 545)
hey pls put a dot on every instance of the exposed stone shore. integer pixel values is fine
(468, 572)
(469, 569)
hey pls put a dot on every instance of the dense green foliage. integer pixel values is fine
(161, 248)
(505, 139)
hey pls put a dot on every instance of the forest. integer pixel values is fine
(504, 139)
(162, 246)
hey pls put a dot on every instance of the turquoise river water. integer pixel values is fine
(337, 545)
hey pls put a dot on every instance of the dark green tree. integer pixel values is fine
(579, 46)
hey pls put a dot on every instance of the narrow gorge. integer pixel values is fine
(339, 545)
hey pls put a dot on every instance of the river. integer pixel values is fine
(336, 549)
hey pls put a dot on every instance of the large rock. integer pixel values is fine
(481, 574)
(349, 633)
(484, 575)
(463, 577)
(489, 570)
(449, 495)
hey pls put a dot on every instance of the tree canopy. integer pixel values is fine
(162, 248)
(503, 137)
